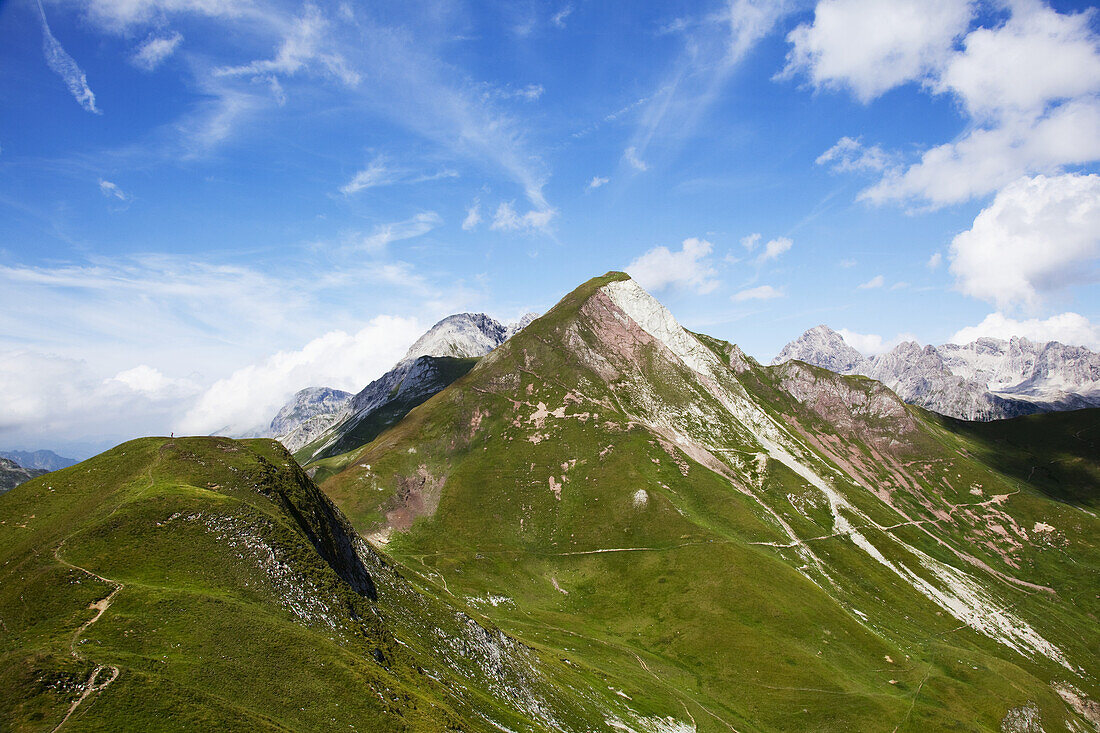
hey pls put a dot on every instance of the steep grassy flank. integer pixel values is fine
(595, 496)
(207, 584)
(359, 430)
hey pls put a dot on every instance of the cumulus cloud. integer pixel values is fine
(1067, 328)
(596, 182)
(773, 249)
(245, 401)
(876, 282)
(1038, 236)
(871, 46)
(1029, 88)
(749, 241)
(763, 292)
(507, 219)
(630, 155)
(62, 64)
(935, 260)
(155, 50)
(688, 268)
(152, 383)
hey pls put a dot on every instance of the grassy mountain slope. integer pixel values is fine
(431, 374)
(207, 584)
(737, 547)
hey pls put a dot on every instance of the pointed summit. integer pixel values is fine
(824, 347)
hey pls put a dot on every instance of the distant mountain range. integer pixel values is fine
(12, 474)
(46, 460)
(335, 421)
(988, 379)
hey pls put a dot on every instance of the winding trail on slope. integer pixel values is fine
(100, 606)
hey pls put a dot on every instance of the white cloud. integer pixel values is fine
(1039, 235)
(871, 46)
(935, 260)
(847, 263)
(773, 249)
(689, 268)
(849, 155)
(507, 219)
(985, 159)
(596, 182)
(304, 46)
(1068, 328)
(397, 231)
(155, 50)
(871, 344)
(876, 282)
(110, 190)
(763, 292)
(1038, 56)
(749, 241)
(249, 398)
(62, 64)
(630, 155)
(152, 383)
(559, 17)
(379, 173)
(375, 174)
(473, 216)
(1028, 86)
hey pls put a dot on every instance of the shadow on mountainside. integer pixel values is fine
(1057, 453)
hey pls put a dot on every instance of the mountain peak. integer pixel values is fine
(824, 347)
(459, 335)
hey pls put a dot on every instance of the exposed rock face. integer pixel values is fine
(12, 474)
(988, 379)
(823, 347)
(309, 413)
(464, 335)
(430, 364)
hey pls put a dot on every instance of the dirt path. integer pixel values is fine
(100, 607)
(93, 686)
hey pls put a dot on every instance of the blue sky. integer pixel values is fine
(207, 205)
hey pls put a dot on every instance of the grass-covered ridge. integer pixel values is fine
(626, 508)
(207, 584)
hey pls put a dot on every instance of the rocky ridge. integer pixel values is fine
(987, 379)
(429, 365)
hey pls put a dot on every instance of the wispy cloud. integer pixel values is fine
(714, 46)
(385, 234)
(763, 292)
(66, 67)
(507, 219)
(558, 19)
(596, 182)
(473, 216)
(630, 155)
(379, 173)
(876, 282)
(111, 190)
(155, 50)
